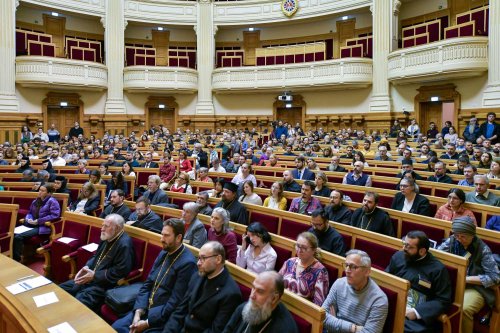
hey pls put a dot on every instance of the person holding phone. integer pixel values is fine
(256, 253)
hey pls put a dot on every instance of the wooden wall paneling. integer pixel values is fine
(425, 17)
(251, 41)
(345, 30)
(161, 41)
(56, 26)
(156, 116)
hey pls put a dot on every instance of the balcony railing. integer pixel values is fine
(32, 71)
(160, 79)
(447, 59)
(342, 73)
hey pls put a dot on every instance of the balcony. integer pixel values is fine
(341, 73)
(160, 79)
(447, 59)
(42, 72)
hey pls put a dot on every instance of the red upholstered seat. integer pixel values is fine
(309, 57)
(289, 59)
(280, 60)
(245, 292)
(357, 51)
(333, 273)
(129, 56)
(291, 229)
(35, 48)
(270, 60)
(261, 61)
(435, 234)
(303, 325)
(282, 256)
(140, 60)
(421, 40)
(183, 62)
(408, 32)
(392, 297)
(4, 230)
(150, 61)
(76, 53)
(380, 254)
(140, 51)
(434, 31)
(89, 55)
(299, 58)
(21, 43)
(139, 247)
(467, 30)
(268, 221)
(409, 42)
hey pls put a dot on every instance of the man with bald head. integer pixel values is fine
(212, 296)
(289, 183)
(263, 312)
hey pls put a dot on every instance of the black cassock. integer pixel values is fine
(430, 292)
(111, 262)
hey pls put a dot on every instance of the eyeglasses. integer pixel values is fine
(352, 267)
(301, 247)
(203, 258)
(407, 245)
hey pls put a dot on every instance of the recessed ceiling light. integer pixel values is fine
(161, 106)
(55, 14)
(251, 29)
(434, 99)
(345, 18)
(160, 28)
(63, 104)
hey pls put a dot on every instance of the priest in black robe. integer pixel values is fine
(229, 201)
(113, 260)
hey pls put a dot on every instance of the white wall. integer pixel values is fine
(135, 102)
(186, 34)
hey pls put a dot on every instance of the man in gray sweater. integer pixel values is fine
(355, 302)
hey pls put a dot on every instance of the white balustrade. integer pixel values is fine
(161, 79)
(447, 59)
(347, 72)
(32, 71)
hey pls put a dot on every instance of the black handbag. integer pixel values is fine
(121, 299)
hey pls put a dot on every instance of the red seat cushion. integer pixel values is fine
(392, 297)
(380, 254)
(291, 229)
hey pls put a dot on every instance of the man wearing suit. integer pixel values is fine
(112, 261)
(196, 234)
(166, 286)
(301, 172)
(440, 175)
(212, 297)
(149, 161)
(116, 205)
(155, 195)
(144, 217)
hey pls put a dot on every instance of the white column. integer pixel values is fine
(205, 55)
(491, 95)
(114, 40)
(381, 13)
(396, 4)
(8, 98)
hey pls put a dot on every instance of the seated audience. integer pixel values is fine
(256, 253)
(112, 261)
(143, 217)
(482, 271)
(249, 196)
(24, 165)
(481, 195)
(485, 162)
(304, 275)
(116, 205)
(359, 157)
(276, 199)
(43, 209)
(117, 182)
(355, 291)
(167, 173)
(408, 200)
(128, 169)
(88, 200)
(301, 171)
(181, 184)
(221, 232)
(211, 297)
(370, 217)
(196, 234)
(493, 223)
(451, 152)
(321, 188)
(328, 238)
(263, 312)
(216, 166)
(243, 175)
(160, 295)
(203, 175)
(469, 173)
(357, 177)
(82, 168)
(306, 203)
(148, 161)
(95, 178)
(202, 201)
(336, 210)
(184, 163)
(454, 207)
(229, 201)
(289, 183)
(440, 175)
(155, 195)
(494, 172)
(334, 165)
(218, 188)
(430, 289)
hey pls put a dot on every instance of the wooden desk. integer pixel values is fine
(18, 313)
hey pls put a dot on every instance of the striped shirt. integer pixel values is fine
(367, 308)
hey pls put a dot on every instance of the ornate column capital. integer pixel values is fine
(17, 3)
(103, 22)
(125, 23)
(395, 7)
(216, 28)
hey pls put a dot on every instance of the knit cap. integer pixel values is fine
(463, 225)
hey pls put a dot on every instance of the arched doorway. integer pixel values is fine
(161, 110)
(62, 109)
(437, 104)
(291, 112)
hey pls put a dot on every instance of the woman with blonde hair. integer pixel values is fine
(321, 189)
(182, 184)
(304, 274)
(276, 200)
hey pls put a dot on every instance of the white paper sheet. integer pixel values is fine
(16, 288)
(29, 284)
(21, 229)
(62, 328)
(66, 240)
(37, 282)
(90, 247)
(45, 299)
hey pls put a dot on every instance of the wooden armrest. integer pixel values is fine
(496, 307)
(71, 258)
(45, 250)
(21, 221)
(133, 276)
